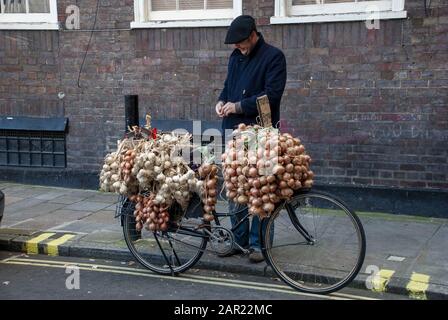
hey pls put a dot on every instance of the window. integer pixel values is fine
(185, 13)
(303, 11)
(33, 142)
(32, 148)
(28, 14)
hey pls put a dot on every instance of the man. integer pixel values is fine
(255, 69)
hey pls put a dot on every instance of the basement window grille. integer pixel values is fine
(32, 148)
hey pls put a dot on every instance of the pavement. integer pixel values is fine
(405, 255)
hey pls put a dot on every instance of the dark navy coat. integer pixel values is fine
(262, 72)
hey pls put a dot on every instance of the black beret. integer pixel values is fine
(240, 29)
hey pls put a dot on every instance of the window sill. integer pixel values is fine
(181, 24)
(29, 26)
(364, 16)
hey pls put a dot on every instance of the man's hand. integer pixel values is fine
(219, 109)
(229, 108)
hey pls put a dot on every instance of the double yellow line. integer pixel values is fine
(52, 247)
(184, 277)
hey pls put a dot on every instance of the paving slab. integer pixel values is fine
(102, 216)
(88, 206)
(67, 199)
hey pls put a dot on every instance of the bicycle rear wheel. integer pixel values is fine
(318, 243)
(169, 252)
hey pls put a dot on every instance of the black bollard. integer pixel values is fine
(131, 111)
(131, 119)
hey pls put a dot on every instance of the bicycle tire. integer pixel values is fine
(300, 279)
(157, 261)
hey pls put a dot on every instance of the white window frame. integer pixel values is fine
(145, 18)
(30, 21)
(286, 13)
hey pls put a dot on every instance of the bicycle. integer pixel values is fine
(314, 242)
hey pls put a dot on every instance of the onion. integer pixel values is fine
(291, 151)
(289, 168)
(268, 207)
(265, 189)
(212, 192)
(257, 183)
(255, 192)
(279, 169)
(273, 198)
(287, 176)
(310, 175)
(253, 172)
(291, 183)
(211, 183)
(265, 198)
(257, 202)
(270, 179)
(242, 199)
(232, 194)
(287, 192)
(263, 180)
(229, 185)
(230, 172)
(308, 183)
(283, 146)
(242, 178)
(298, 176)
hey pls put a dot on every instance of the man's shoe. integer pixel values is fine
(256, 256)
(233, 252)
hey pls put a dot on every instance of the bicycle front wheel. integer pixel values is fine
(315, 243)
(168, 252)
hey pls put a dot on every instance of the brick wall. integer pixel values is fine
(370, 105)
